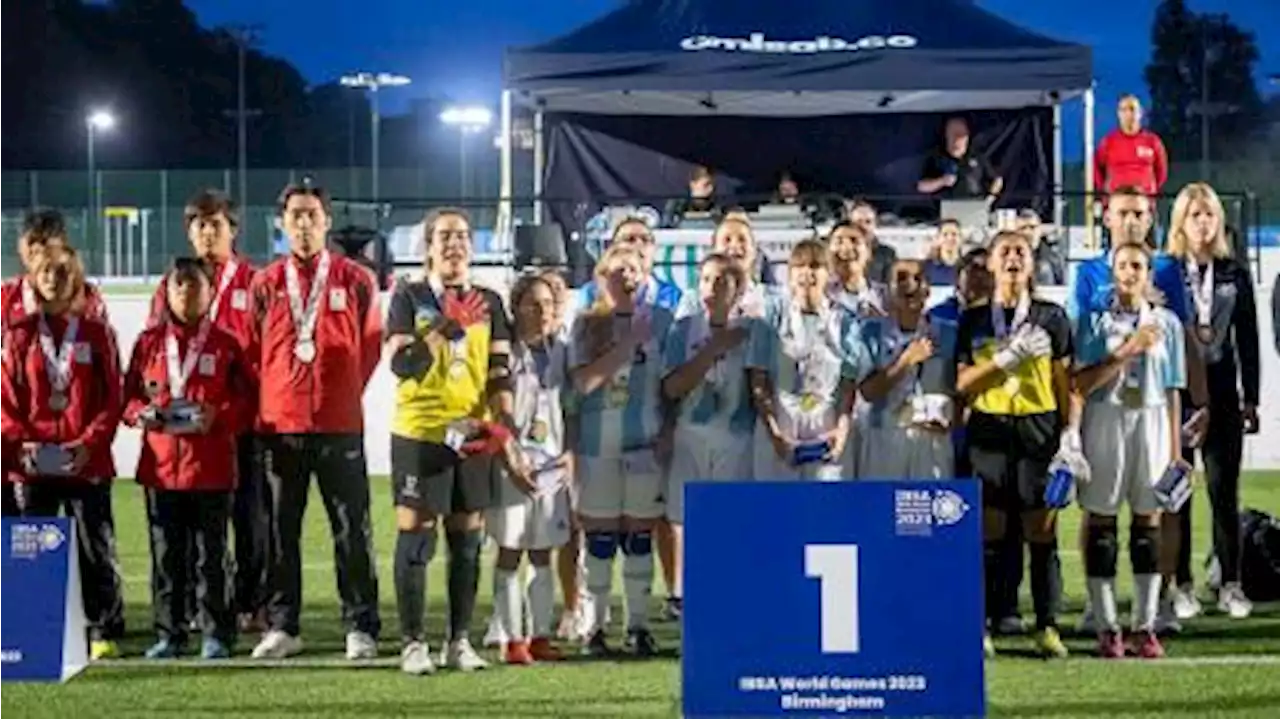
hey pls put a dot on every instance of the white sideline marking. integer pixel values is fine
(386, 662)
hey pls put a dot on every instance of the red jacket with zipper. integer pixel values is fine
(325, 395)
(93, 393)
(220, 379)
(234, 315)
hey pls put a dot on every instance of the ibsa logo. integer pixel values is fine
(28, 541)
(822, 43)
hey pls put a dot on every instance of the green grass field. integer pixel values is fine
(1218, 668)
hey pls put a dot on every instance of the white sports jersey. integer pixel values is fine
(623, 414)
(1148, 378)
(870, 301)
(807, 355)
(540, 375)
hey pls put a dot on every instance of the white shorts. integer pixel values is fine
(616, 487)
(1128, 451)
(537, 522)
(703, 454)
(905, 453)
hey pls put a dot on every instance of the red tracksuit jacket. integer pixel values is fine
(234, 315)
(323, 396)
(219, 379)
(93, 393)
(1138, 160)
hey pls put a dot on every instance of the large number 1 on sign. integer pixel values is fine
(835, 566)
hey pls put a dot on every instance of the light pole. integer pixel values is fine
(374, 81)
(245, 34)
(96, 121)
(469, 121)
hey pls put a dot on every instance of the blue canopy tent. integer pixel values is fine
(798, 59)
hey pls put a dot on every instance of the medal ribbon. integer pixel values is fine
(228, 272)
(1020, 313)
(57, 360)
(1202, 292)
(179, 368)
(305, 315)
(30, 304)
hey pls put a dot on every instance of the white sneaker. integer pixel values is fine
(462, 656)
(361, 646)
(1233, 602)
(1185, 604)
(1166, 620)
(276, 644)
(494, 636)
(415, 659)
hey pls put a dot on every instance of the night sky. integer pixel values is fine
(454, 48)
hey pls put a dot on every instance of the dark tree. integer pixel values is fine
(1189, 49)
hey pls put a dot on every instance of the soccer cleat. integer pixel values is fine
(415, 659)
(988, 646)
(640, 642)
(361, 646)
(494, 636)
(1087, 624)
(597, 646)
(1146, 645)
(673, 609)
(1185, 604)
(103, 649)
(542, 650)
(517, 652)
(1049, 644)
(277, 644)
(1011, 625)
(460, 655)
(162, 649)
(1110, 645)
(211, 648)
(1233, 602)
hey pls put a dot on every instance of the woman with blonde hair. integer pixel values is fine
(615, 367)
(1226, 335)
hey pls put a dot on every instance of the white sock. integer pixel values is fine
(507, 602)
(600, 586)
(637, 584)
(542, 600)
(677, 587)
(1102, 595)
(1146, 601)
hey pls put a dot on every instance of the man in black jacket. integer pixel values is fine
(863, 214)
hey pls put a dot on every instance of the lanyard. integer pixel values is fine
(57, 360)
(1201, 292)
(304, 315)
(1020, 313)
(180, 368)
(29, 303)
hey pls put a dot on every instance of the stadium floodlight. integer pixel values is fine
(98, 120)
(373, 81)
(469, 119)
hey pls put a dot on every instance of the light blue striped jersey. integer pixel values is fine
(723, 398)
(624, 413)
(1162, 368)
(885, 341)
(808, 353)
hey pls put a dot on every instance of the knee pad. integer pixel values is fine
(1144, 549)
(466, 544)
(417, 547)
(1101, 546)
(637, 544)
(602, 545)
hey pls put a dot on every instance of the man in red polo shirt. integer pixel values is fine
(1130, 154)
(319, 334)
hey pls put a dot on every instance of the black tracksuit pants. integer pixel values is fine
(88, 505)
(338, 463)
(188, 558)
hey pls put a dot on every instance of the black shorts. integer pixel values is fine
(430, 478)
(1011, 455)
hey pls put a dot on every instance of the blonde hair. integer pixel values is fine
(597, 321)
(1177, 245)
(809, 252)
(741, 222)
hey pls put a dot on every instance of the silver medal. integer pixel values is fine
(305, 351)
(57, 401)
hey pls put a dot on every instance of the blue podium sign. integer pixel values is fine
(43, 630)
(810, 598)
